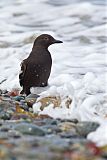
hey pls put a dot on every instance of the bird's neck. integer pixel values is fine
(38, 50)
(40, 47)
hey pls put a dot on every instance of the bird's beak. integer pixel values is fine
(57, 41)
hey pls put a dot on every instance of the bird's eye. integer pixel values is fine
(46, 38)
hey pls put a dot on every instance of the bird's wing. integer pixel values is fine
(22, 72)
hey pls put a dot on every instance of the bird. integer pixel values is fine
(36, 69)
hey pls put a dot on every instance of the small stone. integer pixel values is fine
(71, 135)
(3, 135)
(68, 102)
(4, 153)
(3, 91)
(52, 129)
(84, 128)
(31, 99)
(54, 122)
(6, 104)
(18, 98)
(4, 129)
(69, 120)
(20, 117)
(0, 92)
(31, 110)
(46, 101)
(14, 134)
(14, 92)
(5, 115)
(66, 126)
(35, 96)
(25, 107)
(30, 129)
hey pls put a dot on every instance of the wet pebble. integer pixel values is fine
(84, 128)
(20, 117)
(30, 129)
(5, 116)
(69, 120)
(24, 106)
(6, 104)
(67, 126)
(31, 99)
(69, 135)
(14, 134)
(4, 129)
(18, 98)
(6, 113)
(52, 129)
(3, 92)
(4, 135)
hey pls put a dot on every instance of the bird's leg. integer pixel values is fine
(22, 92)
(27, 91)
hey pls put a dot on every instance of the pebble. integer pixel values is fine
(69, 120)
(18, 98)
(31, 99)
(30, 129)
(84, 128)
(67, 126)
(14, 134)
(5, 115)
(24, 135)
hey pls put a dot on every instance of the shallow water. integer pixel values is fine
(80, 62)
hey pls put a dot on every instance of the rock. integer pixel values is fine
(30, 129)
(0, 92)
(104, 151)
(14, 134)
(4, 135)
(6, 104)
(51, 129)
(35, 96)
(46, 101)
(5, 116)
(84, 128)
(68, 102)
(6, 113)
(24, 106)
(54, 122)
(20, 117)
(4, 92)
(4, 129)
(71, 135)
(4, 153)
(31, 99)
(68, 130)
(69, 120)
(14, 92)
(56, 101)
(67, 126)
(18, 98)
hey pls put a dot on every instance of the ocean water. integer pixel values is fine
(79, 67)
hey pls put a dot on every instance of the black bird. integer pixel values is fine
(35, 70)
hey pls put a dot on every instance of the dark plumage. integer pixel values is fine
(35, 70)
